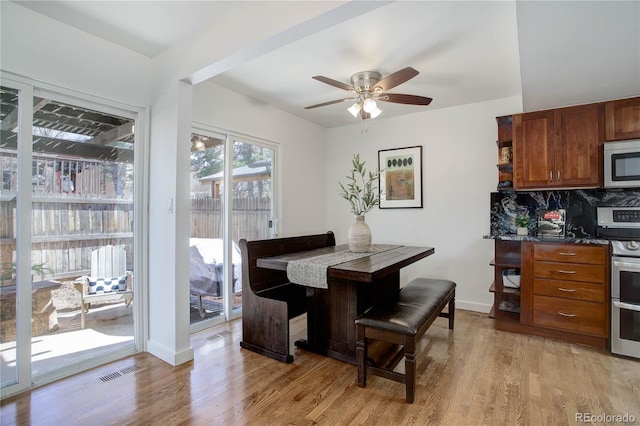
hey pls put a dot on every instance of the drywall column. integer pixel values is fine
(168, 219)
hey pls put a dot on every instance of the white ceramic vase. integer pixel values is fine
(522, 230)
(359, 236)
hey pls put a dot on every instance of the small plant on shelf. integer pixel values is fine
(522, 222)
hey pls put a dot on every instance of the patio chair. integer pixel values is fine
(108, 280)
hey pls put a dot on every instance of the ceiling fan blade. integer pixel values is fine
(404, 99)
(334, 83)
(398, 77)
(337, 101)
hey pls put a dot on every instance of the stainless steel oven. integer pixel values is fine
(623, 224)
(625, 298)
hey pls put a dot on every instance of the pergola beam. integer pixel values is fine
(112, 135)
(11, 120)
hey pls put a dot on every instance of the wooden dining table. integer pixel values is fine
(353, 287)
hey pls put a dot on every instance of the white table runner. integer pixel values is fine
(312, 271)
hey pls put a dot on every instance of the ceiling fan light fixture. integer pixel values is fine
(354, 109)
(376, 112)
(368, 87)
(369, 105)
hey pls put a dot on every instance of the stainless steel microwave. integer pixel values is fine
(622, 164)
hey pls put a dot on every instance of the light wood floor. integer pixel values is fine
(471, 376)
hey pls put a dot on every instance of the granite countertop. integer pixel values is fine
(514, 237)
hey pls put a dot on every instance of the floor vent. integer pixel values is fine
(120, 373)
(220, 335)
(109, 377)
(130, 369)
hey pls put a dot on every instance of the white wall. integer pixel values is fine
(42, 49)
(302, 152)
(459, 172)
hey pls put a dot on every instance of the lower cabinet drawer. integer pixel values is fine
(570, 315)
(572, 253)
(568, 271)
(576, 290)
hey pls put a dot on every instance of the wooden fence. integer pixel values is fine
(66, 230)
(250, 218)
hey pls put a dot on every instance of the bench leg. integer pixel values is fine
(452, 311)
(83, 312)
(361, 357)
(410, 368)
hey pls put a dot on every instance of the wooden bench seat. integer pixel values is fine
(418, 304)
(269, 300)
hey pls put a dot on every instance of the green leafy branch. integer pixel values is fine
(8, 270)
(361, 190)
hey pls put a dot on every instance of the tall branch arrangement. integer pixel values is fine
(361, 189)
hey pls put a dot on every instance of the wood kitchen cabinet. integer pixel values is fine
(622, 119)
(559, 147)
(564, 291)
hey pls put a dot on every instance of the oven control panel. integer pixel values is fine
(619, 217)
(626, 215)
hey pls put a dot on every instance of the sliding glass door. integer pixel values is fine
(67, 235)
(221, 217)
(206, 241)
(11, 106)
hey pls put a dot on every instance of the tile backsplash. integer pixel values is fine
(580, 205)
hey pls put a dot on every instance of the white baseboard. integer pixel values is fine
(471, 306)
(169, 356)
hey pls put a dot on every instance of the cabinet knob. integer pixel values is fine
(568, 290)
(566, 272)
(550, 176)
(562, 253)
(566, 315)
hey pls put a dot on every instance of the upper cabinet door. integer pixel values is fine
(578, 155)
(533, 149)
(622, 119)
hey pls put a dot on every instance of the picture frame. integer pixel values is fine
(400, 181)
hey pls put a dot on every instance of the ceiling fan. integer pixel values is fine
(368, 87)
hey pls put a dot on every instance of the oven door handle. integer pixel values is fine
(626, 265)
(627, 306)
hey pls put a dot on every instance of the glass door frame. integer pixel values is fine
(229, 138)
(27, 90)
(228, 195)
(23, 239)
(207, 131)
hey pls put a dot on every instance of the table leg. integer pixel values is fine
(331, 314)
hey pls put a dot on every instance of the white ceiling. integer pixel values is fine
(465, 51)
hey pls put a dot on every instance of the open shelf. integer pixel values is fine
(505, 167)
(506, 262)
(505, 290)
(502, 144)
(505, 151)
(506, 300)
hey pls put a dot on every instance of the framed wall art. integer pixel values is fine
(400, 178)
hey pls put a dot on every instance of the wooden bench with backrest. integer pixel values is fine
(109, 280)
(418, 304)
(269, 300)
